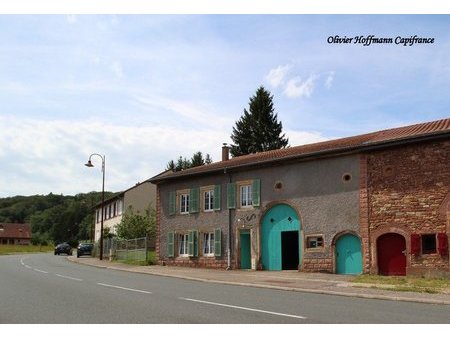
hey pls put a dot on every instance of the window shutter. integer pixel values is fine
(442, 244)
(415, 244)
(231, 195)
(172, 203)
(217, 242)
(256, 188)
(217, 197)
(193, 243)
(170, 244)
(194, 196)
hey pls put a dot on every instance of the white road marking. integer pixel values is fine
(40, 270)
(243, 308)
(73, 278)
(27, 266)
(123, 288)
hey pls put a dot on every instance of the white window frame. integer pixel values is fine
(208, 244)
(208, 200)
(245, 196)
(183, 245)
(184, 204)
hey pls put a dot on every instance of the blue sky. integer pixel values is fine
(144, 89)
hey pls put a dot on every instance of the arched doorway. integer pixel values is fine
(391, 248)
(280, 239)
(348, 255)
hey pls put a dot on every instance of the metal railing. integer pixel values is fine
(136, 249)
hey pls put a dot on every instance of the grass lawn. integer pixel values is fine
(20, 249)
(402, 283)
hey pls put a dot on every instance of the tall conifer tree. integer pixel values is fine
(258, 129)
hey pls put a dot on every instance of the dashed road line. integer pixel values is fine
(243, 308)
(40, 271)
(123, 288)
(67, 277)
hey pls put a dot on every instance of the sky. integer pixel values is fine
(144, 89)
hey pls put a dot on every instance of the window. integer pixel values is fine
(208, 244)
(429, 244)
(313, 242)
(208, 200)
(183, 245)
(246, 196)
(184, 203)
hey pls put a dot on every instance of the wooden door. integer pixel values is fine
(348, 255)
(391, 256)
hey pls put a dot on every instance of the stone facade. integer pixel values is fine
(407, 190)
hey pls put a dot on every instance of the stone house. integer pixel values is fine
(372, 203)
(15, 233)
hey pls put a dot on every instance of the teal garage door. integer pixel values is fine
(280, 239)
(348, 255)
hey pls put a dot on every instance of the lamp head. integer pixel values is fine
(89, 164)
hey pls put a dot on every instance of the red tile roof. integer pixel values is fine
(381, 138)
(15, 230)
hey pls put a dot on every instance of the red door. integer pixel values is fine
(391, 250)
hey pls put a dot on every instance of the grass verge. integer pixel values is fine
(20, 249)
(407, 284)
(151, 260)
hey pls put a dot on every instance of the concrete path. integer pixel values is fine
(281, 280)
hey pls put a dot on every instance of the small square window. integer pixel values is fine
(313, 242)
(429, 244)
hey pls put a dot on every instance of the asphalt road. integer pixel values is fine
(48, 289)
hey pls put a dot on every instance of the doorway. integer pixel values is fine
(289, 250)
(391, 248)
(348, 255)
(245, 255)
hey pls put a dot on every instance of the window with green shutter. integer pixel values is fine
(193, 243)
(172, 203)
(256, 189)
(231, 195)
(194, 196)
(217, 242)
(217, 197)
(170, 244)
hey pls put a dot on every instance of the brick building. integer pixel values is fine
(378, 203)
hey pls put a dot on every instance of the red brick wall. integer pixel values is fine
(407, 186)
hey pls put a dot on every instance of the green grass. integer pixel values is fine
(412, 284)
(20, 249)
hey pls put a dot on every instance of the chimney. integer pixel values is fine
(225, 152)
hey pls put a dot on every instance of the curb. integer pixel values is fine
(276, 287)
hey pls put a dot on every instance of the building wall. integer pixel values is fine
(140, 197)
(326, 203)
(408, 192)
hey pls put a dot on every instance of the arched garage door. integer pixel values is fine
(348, 255)
(280, 239)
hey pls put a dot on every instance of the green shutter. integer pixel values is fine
(194, 196)
(256, 189)
(172, 203)
(193, 243)
(217, 242)
(170, 244)
(217, 197)
(231, 196)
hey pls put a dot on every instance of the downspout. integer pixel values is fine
(229, 227)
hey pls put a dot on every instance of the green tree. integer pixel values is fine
(135, 225)
(258, 128)
(184, 163)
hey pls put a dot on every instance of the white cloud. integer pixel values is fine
(298, 88)
(116, 67)
(276, 76)
(297, 138)
(329, 80)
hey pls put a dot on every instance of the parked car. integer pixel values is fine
(85, 249)
(63, 248)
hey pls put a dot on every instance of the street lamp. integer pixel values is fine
(90, 165)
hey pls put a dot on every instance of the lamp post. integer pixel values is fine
(90, 165)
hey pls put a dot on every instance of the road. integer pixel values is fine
(48, 289)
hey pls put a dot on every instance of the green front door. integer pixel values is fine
(348, 255)
(279, 249)
(245, 250)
